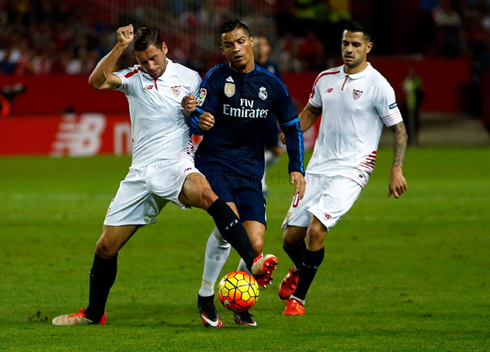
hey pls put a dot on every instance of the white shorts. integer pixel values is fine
(326, 198)
(145, 191)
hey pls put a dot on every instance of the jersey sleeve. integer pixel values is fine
(195, 85)
(207, 101)
(289, 122)
(385, 104)
(125, 75)
(315, 95)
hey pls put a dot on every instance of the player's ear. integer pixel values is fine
(164, 48)
(369, 46)
(222, 50)
(252, 40)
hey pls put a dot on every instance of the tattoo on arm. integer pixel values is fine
(400, 139)
(308, 117)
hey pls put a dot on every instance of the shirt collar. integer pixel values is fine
(359, 74)
(167, 72)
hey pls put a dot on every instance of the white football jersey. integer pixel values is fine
(158, 127)
(354, 108)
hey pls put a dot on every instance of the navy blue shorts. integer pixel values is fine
(244, 192)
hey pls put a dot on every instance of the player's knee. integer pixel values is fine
(316, 234)
(289, 239)
(104, 249)
(208, 197)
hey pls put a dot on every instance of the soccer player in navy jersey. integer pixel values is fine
(235, 101)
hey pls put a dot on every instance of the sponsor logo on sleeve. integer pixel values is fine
(202, 96)
(392, 106)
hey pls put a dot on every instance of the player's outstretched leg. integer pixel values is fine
(262, 269)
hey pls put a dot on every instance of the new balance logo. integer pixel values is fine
(149, 87)
(329, 90)
(229, 79)
(328, 216)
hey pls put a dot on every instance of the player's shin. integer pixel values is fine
(309, 266)
(217, 252)
(295, 253)
(102, 277)
(232, 230)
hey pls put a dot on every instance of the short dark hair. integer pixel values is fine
(145, 37)
(358, 26)
(231, 25)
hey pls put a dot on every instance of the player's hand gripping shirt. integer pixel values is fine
(354, 108)
(158, 127)
(241, 103)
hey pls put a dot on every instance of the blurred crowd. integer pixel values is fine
(69, 37)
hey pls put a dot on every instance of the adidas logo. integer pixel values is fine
(229, 79)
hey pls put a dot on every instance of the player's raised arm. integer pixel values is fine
(398, 184)
(102, 77)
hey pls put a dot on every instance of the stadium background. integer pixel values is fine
(49, 47)
(398, 275)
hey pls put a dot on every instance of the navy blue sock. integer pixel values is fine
(102, 277)
(309, 266)
(232, 230)
(295, 253)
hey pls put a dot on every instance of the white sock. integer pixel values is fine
(217, 251)
(299, 300)
(243, 267)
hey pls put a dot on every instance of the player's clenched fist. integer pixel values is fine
(189, 103)
(206, 121)
(125, 35)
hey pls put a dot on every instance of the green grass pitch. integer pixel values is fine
(399, 275)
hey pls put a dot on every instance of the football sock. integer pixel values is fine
(217, 252)
(102, 277)
(296, 253)
(232, 230)
(242, 266)
(309, 266)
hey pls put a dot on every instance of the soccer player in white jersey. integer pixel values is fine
(162, 169)
(355, 101)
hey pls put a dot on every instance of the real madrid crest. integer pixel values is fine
(356, 94)
(263, 93)
(229, 89)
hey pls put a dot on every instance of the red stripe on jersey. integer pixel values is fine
(346, 78)
(320, 76)
(127, 75)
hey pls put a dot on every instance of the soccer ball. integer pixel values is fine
(238, 291)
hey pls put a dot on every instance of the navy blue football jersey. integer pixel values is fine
(241, 104)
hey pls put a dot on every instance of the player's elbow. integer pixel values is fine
(95, 83)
